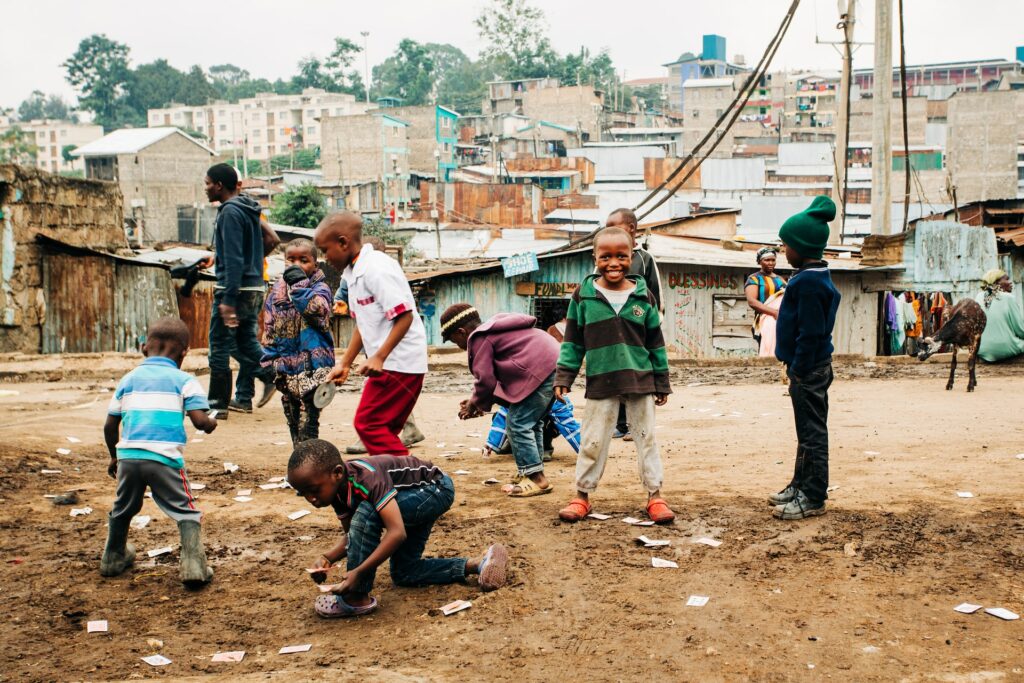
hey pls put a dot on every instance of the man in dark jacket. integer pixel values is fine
(241, 240)
(644, 265)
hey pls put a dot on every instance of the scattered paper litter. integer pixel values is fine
(1002, 613)
(663, 564)
(274, 480)
(327, 587)
(716, 415)
(765, 414)
(291, 649)
(695, 384)
(462, 472)
(230, 467)
(964, 494)
(460, 445)
(72, 439)
(871, 453)
(599, 516)
(474, 435)
(140, 522)
(99, 626)
(476, 450)
(244, 492)
(63, 451)
(457, 606)
(1020, 456)
(197, 487)
(637, 522)
(697, 601)
(298, 514)
(76, 512)
(49, 495)
(8, 392)
(197, 440)
(830, 489)
(242, 499)
(966, 608)
(439, 444)
(652, 543)
(156, 660)
(871, 649)
(707, 541)
(235, 656)
(49, 471)
(280, 443)
(268, 487)
(491, 482)
(160, 551)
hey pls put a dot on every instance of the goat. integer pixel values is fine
(966, 323)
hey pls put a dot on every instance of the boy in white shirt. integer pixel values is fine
(387, 326)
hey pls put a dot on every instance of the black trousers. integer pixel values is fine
(809, 395)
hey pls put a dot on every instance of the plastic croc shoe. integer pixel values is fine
(493, 568)
(659, 511)
(576, 510)
(334, 607)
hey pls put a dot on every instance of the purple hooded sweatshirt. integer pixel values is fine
(509, 358)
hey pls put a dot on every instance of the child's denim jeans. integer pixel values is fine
(526, 428)
(420, 506)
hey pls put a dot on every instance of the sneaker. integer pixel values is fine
(494, 568)
(548, 455)
(782, 497)
(799, 508)
(240, 406)
(268, 393)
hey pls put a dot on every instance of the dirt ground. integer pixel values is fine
(865, 593)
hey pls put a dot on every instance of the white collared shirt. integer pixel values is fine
(378, 292)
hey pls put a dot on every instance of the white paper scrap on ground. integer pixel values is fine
(476, 450)
(63, 451)
(599, 516)
(1020, 456)
(76, 512)
(474, 435)
(871, 453)
(160, 551)
(439, 444)
(707, 541)
(274, 480)
(140, 522)
(652, 543)
(197, 487)
(637, 522)
(242, 499)
(49, 471)
(964, 494)
(269, 487)
(1002, 613)
(462, 472)
(197, 440)
(697, 601)
(663, 564)
(280, 443)
(99, 626)
(230, 467)
(156, 660)
(292, 649)
(966, 608)
(298, 514)
(235, 656)
(244, 492)
(457, 606)
(73, 439)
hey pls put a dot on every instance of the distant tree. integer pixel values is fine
(57, 108)
(32, 107)
(17, 146)
(515, 37)
(407, 74)
(333, 74)
(65, 153)
(459, 82)
(154, 86)
(648, 96)
(99, 71)
(195, 89)
(378, 227)
(302, 206)
(227, 76)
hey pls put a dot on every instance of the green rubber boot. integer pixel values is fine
(194, 572)
(119, 554)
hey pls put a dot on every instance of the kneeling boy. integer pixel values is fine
(405, 496)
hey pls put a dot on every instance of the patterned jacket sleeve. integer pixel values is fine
(572, 352)
(314, 303)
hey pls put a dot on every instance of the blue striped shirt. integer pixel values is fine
(151, 401)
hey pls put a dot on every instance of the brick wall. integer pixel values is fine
(983, 145)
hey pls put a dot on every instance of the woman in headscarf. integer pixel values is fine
(1004, 332)
(764, 293)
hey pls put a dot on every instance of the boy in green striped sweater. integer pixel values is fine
(614, 324)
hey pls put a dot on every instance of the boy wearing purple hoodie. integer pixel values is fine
(514, 364)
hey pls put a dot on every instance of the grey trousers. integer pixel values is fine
(171, 491)
(599, 423)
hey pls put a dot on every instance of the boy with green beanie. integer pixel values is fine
(804, 343)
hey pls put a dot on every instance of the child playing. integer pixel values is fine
(403, 495)
(513, 363)
(387, 326)
(803, 341)
(297, 339)
(613, 324)
(147, 409)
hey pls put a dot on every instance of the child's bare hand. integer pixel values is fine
(339, 375)
(560, 393)
(372, 367)
(347, 582)
(112, 468)
(321, 563)
(660, 399)
(210, 425)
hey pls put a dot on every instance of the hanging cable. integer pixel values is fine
(906, 143)
(737, 109)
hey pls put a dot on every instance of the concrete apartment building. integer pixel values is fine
(810, 108)
(50, 137)
(432, 135)
(710, 63)
(984, 132)
(266, 125)
(371, 147)
(160, 172)
(545, 99)
(705, 101)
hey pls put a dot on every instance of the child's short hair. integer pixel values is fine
(628, 216)
(321, 455)
(377, 243)
(303, 243)
(224, 174)
(169, 329)
(456, 317)
(610, 232)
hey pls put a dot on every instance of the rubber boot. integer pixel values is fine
(194, 572)
(119, 554)
(220, 392)
(411, 434)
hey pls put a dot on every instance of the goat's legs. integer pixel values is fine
(952, 368)
(972, 361)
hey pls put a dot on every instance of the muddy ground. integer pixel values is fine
(865, 593)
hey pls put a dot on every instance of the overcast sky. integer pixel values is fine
(268, 37)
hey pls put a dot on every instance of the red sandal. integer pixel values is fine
(659, 511)
(576, 510)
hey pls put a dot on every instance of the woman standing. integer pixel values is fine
(760, 289)
(1004, 332)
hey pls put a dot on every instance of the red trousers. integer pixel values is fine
(386, 404)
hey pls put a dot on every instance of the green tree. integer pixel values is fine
(378, 227)
(17, 146)
(57, 108)
(65, 153)
(99, 71)
(407, 74)
(459, 82)
(32, 107)
(333, 74)
(154, 86)
(301, 206)
(224, 77)
(195, 89)
(515, 37)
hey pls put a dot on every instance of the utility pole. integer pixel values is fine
(366, 63)
(881, 137)
(842, 144)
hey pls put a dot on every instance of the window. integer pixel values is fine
(446, 123)
(394, 131)
(256, 149)
(337, 112)
(256, 132)
(284, 131)
(221, 113)
(447, 148)
(64, 133)
(270, 149)
(311, 112)
(41, 135)
(177, 116)
(311, 130)
(222, 127)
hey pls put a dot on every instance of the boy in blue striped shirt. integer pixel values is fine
(146, 438)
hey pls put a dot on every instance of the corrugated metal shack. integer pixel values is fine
(706, 314)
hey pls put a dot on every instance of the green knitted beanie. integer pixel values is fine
(807, 231)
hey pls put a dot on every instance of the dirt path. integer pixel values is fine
(584, 604)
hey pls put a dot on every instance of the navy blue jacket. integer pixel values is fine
(803, 334)
(238, 243)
